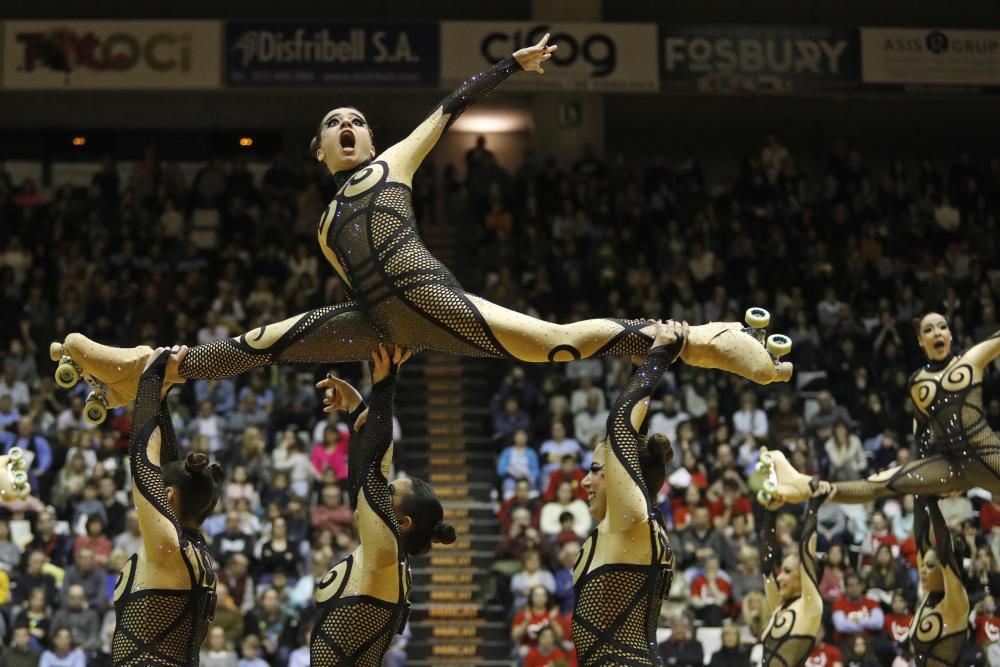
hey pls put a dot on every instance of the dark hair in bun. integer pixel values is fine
(196, 479)
(427, 514)
(655, 454)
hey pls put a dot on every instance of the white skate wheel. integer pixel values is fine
(766, 459)
(779, 345)
(757, 318)
(764, 498)
(15, 455)
(770, 486)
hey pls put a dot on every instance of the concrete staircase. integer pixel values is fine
(443, 407)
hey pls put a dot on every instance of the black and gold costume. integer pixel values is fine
(355, 629)
(958, 449)
(161, 626)
(618, 603)
(940, 625)
(791, 636)
(400, 293)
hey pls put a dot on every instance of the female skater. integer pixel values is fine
(792, 590)
(625, 566)
(402, 294)
(941, 623)
(362, 603)
(165, 595)
(958, 449)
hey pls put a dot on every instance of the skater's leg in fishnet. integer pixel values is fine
(932, 475)
(328, 335)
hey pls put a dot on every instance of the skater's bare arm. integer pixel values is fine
(405, 157)
(629, 501)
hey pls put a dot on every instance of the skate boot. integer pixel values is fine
(112, 372)
(13, 476)
(745, 351)
(781, 482)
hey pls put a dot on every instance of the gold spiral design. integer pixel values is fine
(957, 378)
(923, 393)
(930, 627)
(784, 622)
(365, 180)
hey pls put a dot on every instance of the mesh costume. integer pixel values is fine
(162, 626)
(399, 291)
(618, 604)
(783, 648)
(935, 643)
(352, 629)
(958, 449)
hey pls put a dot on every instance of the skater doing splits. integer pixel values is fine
(625, 566)
(958, 449)
(792, 590)
(940, 625)
(363, 602)
(165, 596)
(400, 293)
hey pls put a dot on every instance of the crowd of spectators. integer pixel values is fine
(844, 257)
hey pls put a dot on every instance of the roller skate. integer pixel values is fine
(112, 372)
(781, 483)
(744, 350)
(14, 476)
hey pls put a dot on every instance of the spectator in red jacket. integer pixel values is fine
(895, 631)
(855, 614)
(546, 652)
(989, 515)
(570, 472)
(986, 622)
(825, 655)
(710, 594)
(730, 501)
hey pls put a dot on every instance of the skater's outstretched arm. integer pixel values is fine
(629, 500)
(981, 354)
(406, 156)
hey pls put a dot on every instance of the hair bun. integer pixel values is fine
(443, 532)
(217, 474)
(195, 462)
(659, 446)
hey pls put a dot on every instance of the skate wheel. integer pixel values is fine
(67, 375)
(766, 459)
(15, 456)
(94, 411)
(769, 486)
(778, 345)
(764, 498)
(19, 478)
(757, 318)
(762, 467)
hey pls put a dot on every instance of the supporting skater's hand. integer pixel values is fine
(338, 394)
(386, 360)
(176, 356)
(531, 58)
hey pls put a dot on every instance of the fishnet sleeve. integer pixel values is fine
(921, 524)
(146, 418)
(169, 451)
(807, 553)
(623, 436)
(477, 87)
(368, 448)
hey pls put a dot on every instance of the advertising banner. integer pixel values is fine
(99, 55)
(757, 59)
(605, 57)
(913, 58)
(315, 54)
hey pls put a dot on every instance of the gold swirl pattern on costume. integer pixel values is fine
(958, 378)
(365, 180)
(923, 393)
(784, 623)
(930, 627)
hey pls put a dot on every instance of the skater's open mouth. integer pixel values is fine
(939, 345)
(347, 139)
